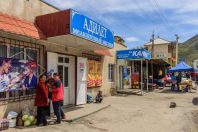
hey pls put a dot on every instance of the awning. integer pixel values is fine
(18, 26)
(104, 52)
(182, 66)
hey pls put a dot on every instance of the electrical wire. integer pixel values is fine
(159, 13)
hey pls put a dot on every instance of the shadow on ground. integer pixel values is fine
(195, 101)
(170, 91)
(72, 108)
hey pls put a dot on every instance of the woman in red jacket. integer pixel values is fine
(41, 101)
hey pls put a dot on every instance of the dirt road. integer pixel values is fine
(149, 113)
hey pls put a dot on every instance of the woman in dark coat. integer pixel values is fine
(41, 101)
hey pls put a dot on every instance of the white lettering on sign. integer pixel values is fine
(94, 28)
(136, 53)
(91, 37)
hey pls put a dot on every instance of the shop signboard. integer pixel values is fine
(87, 28)
(133, 54)
(17, 74)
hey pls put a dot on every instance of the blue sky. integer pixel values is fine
(135, 20)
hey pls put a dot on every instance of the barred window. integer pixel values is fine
(10, 48)
(16, 52)
(3, 51)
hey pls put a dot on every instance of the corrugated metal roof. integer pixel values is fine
(19, 26)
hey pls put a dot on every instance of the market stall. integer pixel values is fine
(183, 84)
(131, 55)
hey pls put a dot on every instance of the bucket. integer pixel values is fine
(12, 118)
(12, 122)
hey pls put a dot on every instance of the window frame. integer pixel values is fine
(111, 72)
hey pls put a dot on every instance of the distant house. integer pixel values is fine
(163, 49)
(195, 64)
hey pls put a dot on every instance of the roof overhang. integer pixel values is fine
(160, 62)
(76, 42)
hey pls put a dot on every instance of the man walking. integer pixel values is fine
(57, 98)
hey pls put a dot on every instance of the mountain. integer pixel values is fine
(189, 49)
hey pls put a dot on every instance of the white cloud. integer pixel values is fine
(132, 39)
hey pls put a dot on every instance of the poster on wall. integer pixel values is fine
(94, 74)
(91, 76)
(17, 74)
(126, 77)
(135, 80)
(98, 75)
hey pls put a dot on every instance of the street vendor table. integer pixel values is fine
(185, 86)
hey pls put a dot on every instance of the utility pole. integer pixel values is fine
(152, 55)
(152, 39)
(177, 40)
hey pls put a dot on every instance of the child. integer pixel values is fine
(99, 97)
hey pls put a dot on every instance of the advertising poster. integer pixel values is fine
(91, 76)
(126, 77)
(135, 79)
(94, 74)
(98, 74)
(17, 74)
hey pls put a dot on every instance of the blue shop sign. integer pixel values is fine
(87, 28)
(133, 54)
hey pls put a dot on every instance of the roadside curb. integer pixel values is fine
(77, 118)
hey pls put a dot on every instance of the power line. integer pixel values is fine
(144, 12)
(160, 15)
(163, 14)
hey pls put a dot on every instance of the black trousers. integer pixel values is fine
(58, 111)
(99, 99)
(41, 115)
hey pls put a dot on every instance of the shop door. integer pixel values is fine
(64, 72)
(81, 81)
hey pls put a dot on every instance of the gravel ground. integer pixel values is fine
(148, 113)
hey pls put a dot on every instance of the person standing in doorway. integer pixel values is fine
(57, 98)
(41, 101)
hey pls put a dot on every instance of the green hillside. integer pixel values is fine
(189, 49)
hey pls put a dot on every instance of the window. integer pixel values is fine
(111, 72)
(3, 51)
(16, 52)
(66, 60)
(24, 51)
(60, 59)
(31, 54)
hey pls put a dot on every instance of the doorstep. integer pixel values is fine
(80, 111)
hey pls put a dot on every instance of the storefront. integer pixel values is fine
(131, 75)
(74, 54)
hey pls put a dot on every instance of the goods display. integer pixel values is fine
(4, 124)
(135, 80)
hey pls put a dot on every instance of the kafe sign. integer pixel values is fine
(87, 28)
(133, 54)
